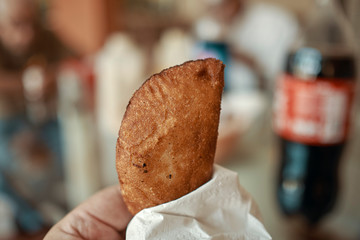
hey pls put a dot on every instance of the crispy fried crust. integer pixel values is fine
(168, 136)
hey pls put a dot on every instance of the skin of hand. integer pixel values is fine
(103, 216)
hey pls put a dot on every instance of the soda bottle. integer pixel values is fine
(312, 107)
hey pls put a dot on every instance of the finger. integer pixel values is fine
(109, 207)
(103, 216)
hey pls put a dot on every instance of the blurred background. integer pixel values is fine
(69, 67)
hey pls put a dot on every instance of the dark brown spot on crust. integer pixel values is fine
(136, 165)
(202, 73)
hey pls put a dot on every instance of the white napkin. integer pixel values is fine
(220, 209)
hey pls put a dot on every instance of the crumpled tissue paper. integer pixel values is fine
(219, 209)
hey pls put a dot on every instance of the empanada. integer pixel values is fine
(168, 135)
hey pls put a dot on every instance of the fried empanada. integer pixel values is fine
(168, 135)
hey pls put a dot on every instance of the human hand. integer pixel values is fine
(103, 216)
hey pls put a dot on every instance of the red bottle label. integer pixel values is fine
(314, 111)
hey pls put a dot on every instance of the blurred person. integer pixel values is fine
(30, 149)
(24, 43)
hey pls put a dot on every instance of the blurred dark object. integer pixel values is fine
(313, 102)
(30, 143)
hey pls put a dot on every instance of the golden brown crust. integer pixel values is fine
(167, 138)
